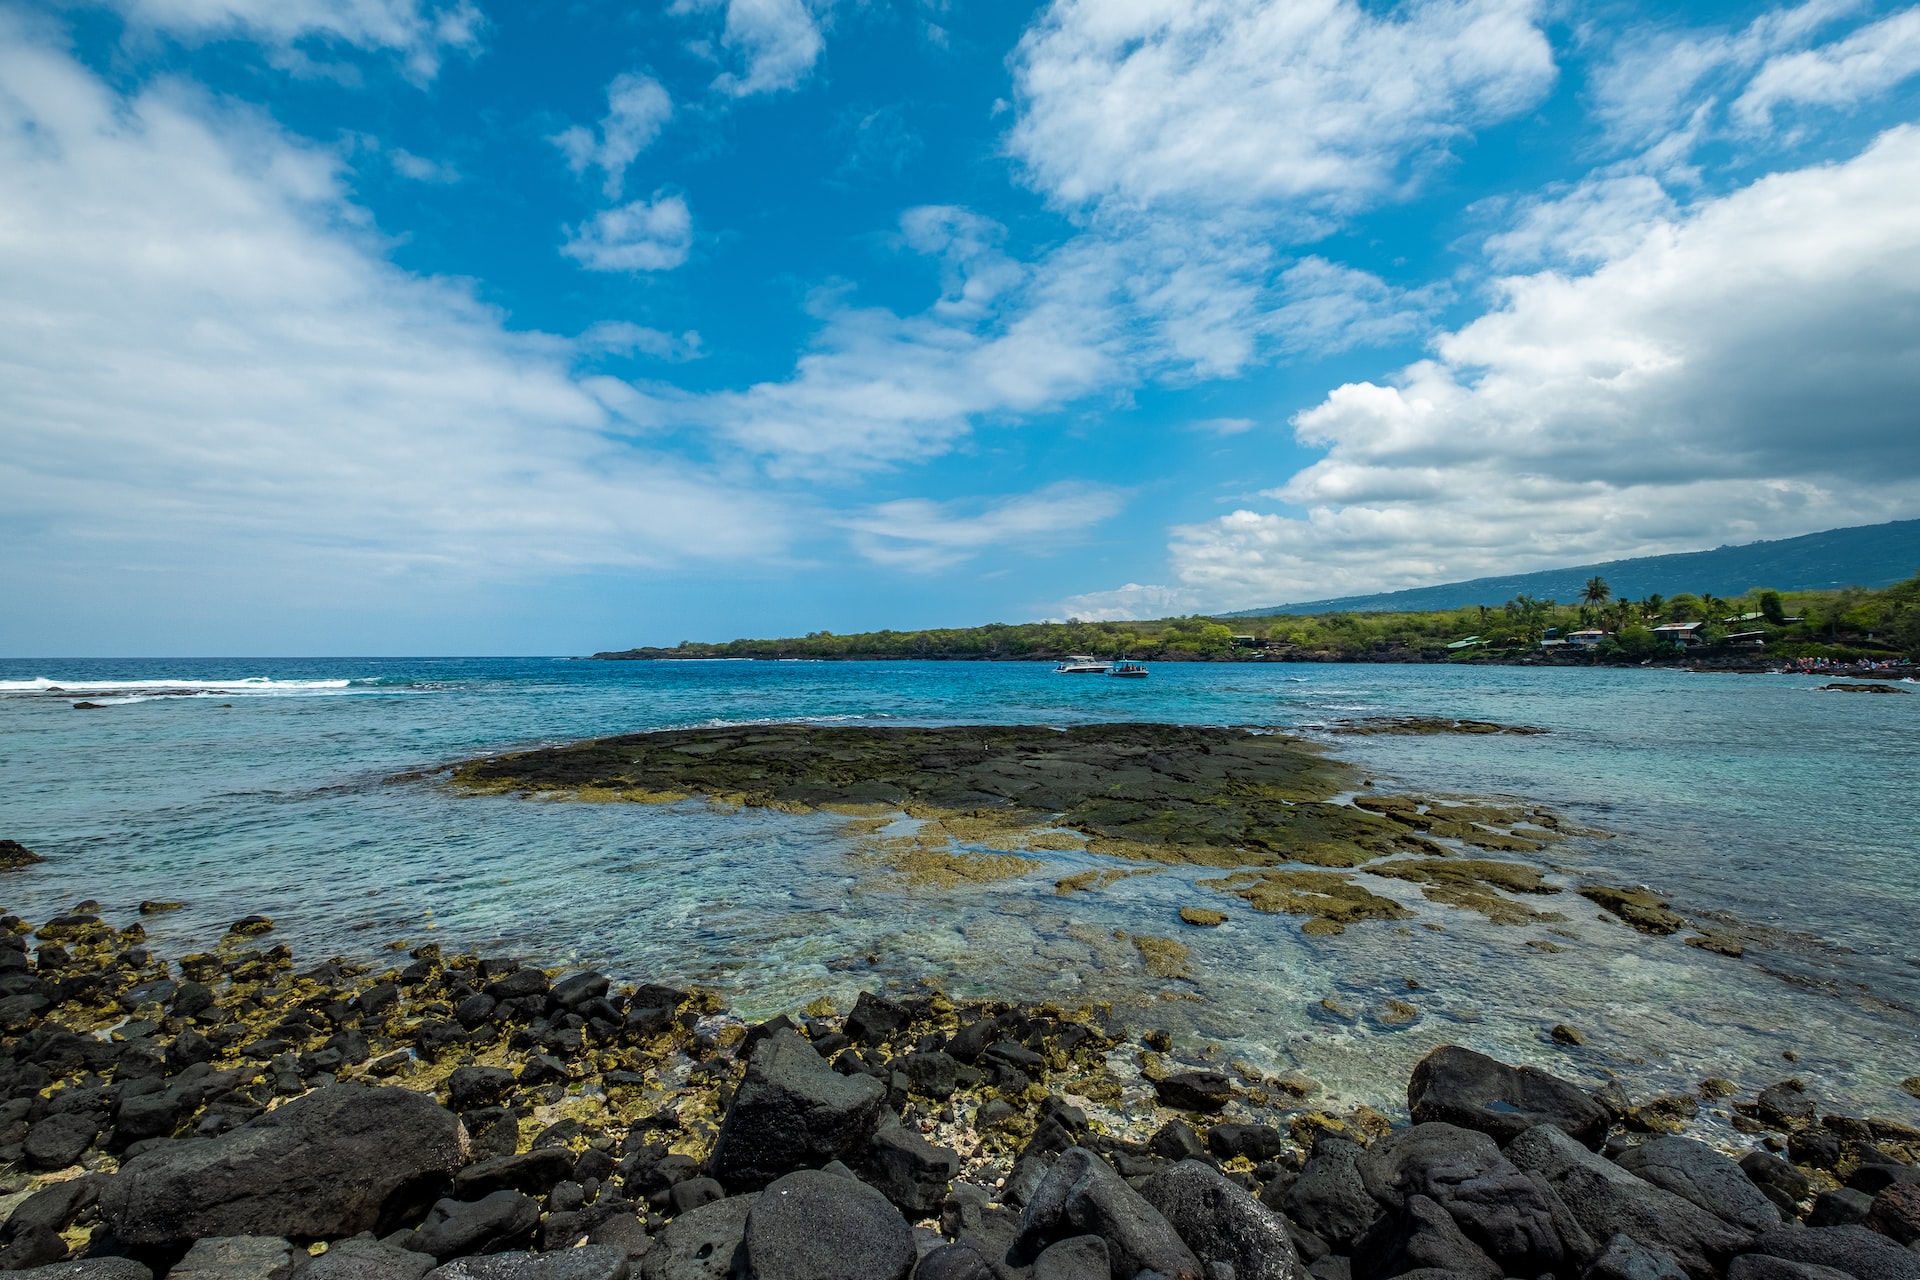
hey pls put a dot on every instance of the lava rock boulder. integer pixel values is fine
(793, 1111)
(1468, 1089)
(1220, 1222)
(812, 1225)
(1696, 1172)
(1082, 1195)
(341, 1160)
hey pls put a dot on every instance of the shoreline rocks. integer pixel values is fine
(232, 1116)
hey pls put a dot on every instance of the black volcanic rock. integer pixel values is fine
(1460, 1087)
(338, 1161)
(793, 1111)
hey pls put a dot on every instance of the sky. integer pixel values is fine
(460, 326)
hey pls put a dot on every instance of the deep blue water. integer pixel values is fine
(265, 785)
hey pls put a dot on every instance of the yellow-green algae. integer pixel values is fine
(1329, 900)
(1470, 883)
(1090, 881)
(1163, 957)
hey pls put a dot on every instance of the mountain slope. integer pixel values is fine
(1866, 556)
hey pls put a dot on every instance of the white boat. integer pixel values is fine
(1131, 670)
(1081, 664)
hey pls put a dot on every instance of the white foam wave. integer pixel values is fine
(244, 686)
(759, 721)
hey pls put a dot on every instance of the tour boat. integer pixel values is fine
(1081, 664)
(1129, 669)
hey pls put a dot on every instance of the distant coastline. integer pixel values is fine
(1855, 630)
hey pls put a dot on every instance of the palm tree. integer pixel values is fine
(1596, 591)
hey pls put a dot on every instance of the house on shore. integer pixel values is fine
(1683, 635)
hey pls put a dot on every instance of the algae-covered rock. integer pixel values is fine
(1720, 942)
(1163, 957)
(1090, 881)
(1471, 883)
(1330, 900)
(14, 855)
(1640, 908)
(1204, 917)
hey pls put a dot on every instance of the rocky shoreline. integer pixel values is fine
(235, 1116)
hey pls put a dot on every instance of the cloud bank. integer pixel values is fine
(1744, 369)
(204, 362)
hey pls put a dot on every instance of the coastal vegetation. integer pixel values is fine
(1841, 625)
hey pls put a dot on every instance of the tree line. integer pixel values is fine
(1853, 623)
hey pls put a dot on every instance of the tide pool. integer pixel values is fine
(309, 790)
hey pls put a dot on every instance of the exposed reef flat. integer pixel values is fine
(940, 807)
(1165, 793)
(235, 1115)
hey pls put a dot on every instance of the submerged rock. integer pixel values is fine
(1639, 907)
(1194, 1090)
(1331, 901)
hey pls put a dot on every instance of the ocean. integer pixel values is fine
(311, 790)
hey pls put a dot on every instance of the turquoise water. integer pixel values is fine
(269, 785)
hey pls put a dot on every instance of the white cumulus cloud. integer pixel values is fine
(776, 42)
(201, 371)
(1668, 90)
(638, 107)
(916, 533)
(1745, 369)
(1326, 104)
(646, 235)
(421, 31)
(1867, 62)
(1134, 600)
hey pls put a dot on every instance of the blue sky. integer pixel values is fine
(385, 326)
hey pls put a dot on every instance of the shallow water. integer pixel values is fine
(249, 785)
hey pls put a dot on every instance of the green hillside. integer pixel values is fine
(1849, 623)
